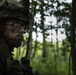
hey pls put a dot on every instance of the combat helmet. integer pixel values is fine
(14, 9)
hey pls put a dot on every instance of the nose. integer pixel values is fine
(22, 30)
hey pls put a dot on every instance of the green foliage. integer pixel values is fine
(50, 65)
(19, 53)
(54, 64)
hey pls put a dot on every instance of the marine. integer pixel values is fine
(14, 22)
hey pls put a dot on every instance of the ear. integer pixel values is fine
(1, 27)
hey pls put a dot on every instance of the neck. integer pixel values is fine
(10, 48)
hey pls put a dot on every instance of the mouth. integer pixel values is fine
(19, 38)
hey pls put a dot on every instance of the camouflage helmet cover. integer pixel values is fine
(13, 9)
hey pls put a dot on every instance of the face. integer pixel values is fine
(13, 32)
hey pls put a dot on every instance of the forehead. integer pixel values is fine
(14, 20)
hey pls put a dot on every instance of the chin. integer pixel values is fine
(18, 45)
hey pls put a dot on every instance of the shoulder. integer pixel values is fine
(3, 52)
(2, 59)
(2, 64)
(4, 49)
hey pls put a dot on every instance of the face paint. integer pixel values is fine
(16, 26)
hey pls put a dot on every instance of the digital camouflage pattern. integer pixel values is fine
(9, 66)
(13, 9)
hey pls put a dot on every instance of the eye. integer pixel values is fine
(16, 25)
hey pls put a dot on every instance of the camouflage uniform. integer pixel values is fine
(8, 66)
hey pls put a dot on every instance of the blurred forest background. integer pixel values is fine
(49, 57)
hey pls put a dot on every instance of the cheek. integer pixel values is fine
(9, 35)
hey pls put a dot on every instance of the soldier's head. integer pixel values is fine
(14, 21)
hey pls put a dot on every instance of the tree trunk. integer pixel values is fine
(43, 30)
(73, 25)
(29, 46)
(35, 48)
